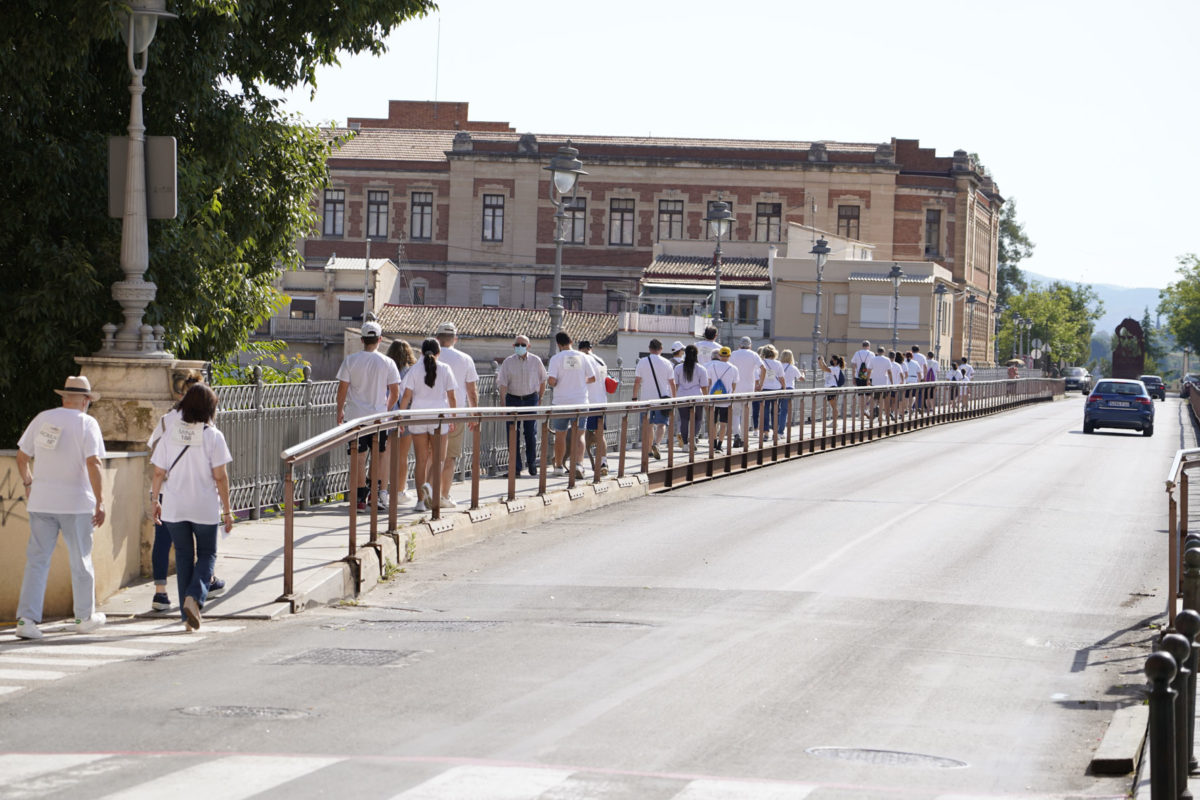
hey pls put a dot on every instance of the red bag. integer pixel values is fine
(611, 384)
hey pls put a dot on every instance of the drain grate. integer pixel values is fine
(244, 712)
(886, 758)
(425, 625)
(338, 656)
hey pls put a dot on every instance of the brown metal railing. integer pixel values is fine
(1177, 513)
(816, 420)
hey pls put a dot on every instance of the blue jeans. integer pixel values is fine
(686, 417)
(160, 554)
(43, 536)
(195, 559)
(767, 416)
(785, 405)
(528, 429)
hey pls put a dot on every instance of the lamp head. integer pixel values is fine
(940, 291)
(821, 250)
(719, 219)
(141, 22)
(565, 168)
(896, 274)
(972, 300)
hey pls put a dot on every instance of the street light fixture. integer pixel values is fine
(820, 252)
(897, 275)
(138, 26)
(971, 301)
(565, 169)
(940, 294)
(1016, 344)
(720, 220)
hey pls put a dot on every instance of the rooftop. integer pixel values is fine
(735, 271)
(490, 322)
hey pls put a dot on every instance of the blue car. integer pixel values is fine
(1119, 404)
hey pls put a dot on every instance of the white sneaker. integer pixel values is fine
(28, 629)
(403, 499)
(559, 472)
(581, 473)
(85, 625)
(420, 507)
(382, 500)
(448, 502)
(426, 494)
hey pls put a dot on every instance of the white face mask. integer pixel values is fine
(519, 349)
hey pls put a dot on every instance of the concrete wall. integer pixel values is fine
(117, 553)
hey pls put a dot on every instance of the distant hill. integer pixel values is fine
(1119, 301)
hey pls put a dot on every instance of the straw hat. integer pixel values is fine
(77, 385)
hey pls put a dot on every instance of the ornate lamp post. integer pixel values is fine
(940, 294)
(565, 169)
(1016, 334)
(820, 252)
(138, 27)
(897, 275)
(971, 301)
(719, 220)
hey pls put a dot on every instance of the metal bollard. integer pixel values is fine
(1188, 623)
(1180, 649)
(1160, 669)
(1191, 579)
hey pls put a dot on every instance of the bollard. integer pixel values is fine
(1180, 649)
(1188, 623)
(1160, 669)
(1191, 579)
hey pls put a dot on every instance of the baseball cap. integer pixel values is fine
(585, 345)
(676, 346)
(371, 330)
(446, 327)
(724, 351)
(746, 341)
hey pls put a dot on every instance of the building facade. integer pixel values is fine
(464, 208)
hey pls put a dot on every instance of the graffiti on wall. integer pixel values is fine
(12, 496)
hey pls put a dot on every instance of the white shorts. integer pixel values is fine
(419, 429)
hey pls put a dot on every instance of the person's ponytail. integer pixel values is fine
(429, 353)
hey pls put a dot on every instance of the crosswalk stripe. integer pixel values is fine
(65, 661)
(494, 783)
(706, 789)
(30, 675)
(10, 689)
(230, 778)
(16, 767)
(88, 649)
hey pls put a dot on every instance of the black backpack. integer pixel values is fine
(841, 377)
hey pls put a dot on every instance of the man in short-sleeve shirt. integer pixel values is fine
(368, 383)
(751, 372)
(59, 459)
(860, 358)
(570, 373)
(465, 396)
(653, 380)
(706, 348)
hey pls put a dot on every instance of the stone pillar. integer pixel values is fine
(135, 392)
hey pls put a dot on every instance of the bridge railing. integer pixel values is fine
(813, 420)
(1178, 488)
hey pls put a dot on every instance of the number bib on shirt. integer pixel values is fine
(187, 434)
(48, 436)
(572, 363)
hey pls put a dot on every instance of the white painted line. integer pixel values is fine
(707, 789)
(65, 661)
(232, 778)
(30, 675)
(494, 783)
(16, 767)
(164, 627)
(91, 650)
(9, 690)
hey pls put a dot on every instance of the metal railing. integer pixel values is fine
(815, 420)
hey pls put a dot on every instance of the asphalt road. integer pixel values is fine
(953, 613)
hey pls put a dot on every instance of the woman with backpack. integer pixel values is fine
(835, 376)
(723, 377)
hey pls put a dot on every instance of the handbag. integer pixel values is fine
(611, 384)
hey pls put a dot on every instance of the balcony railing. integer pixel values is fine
(307, 329)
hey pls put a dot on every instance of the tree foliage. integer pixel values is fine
(1014, 247)
(1180, 304)
(247, 172)
(1064, 317)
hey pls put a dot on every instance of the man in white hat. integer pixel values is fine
(751, 373)
(59, 459)
(368, 383)
(465, 396)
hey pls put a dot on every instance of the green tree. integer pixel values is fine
(1180, 304)
(1064, 318)
(247, 172)
(1014, 247)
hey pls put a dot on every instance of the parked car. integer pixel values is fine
(1077, 378)
(1155, 386)
(1188, 383)
(1119, 404)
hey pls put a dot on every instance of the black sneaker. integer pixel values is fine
(737, 441)
(215, 586)
(160, 602)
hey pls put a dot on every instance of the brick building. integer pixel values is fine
(464, 208)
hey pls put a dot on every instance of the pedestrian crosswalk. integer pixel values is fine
(26, 664)
(181, 776)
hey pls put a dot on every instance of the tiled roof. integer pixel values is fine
(390, 144)
(555, 140)
(882, 277)
(699, 270)
(349, 263)
(486, 322)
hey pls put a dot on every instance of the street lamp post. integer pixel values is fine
(971, 301)
(940, 294)
(565, 169)
(820, 252)
(897, 275)
(138, 26)
(719, 220)
(1016, 335)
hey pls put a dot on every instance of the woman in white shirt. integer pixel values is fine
(772, 381)
(833, 371)
(429, 384)
(405, 358)
(191, 477)
(791, 373)
(898, 374)
(691, 380)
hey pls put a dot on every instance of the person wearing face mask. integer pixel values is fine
(522, 381)
(59, 460)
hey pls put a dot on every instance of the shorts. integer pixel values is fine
(721, 414)
(660, 417)
(454, 444)
(364, 443)
(593, 423)
(423, 429)
(564, 423)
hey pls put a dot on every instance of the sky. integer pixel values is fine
(1084, 112)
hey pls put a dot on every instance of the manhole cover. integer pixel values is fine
(886, 758)
(243, 712)
(337, 656)
(611, 623)
(425, 625)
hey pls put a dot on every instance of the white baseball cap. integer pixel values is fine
(371, 330)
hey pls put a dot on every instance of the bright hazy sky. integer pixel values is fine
(1085, 112)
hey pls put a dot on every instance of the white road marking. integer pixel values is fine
(494, 783)
(16, 767)
(66, 661)
(30, 675)
(231, 778)
(10, 689)
(90, 649)
(707, 789)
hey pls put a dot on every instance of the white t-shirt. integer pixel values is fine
(954, 375)
(968, 371)
(651, 368)
(596, 391)
(60, 441)
(189, 494)
(931, 365)
(774, 379)
(748, 365)
(898, 373)
(429, 396)
(692, 388)
(863, 356)
(920, 359)
(164, 424)
(369, 373)
(913, 369)
(881, 370)
(463, 367)
(832, 376)
(707, 350)
(571, 370)
(724, 372)
(791, 374)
